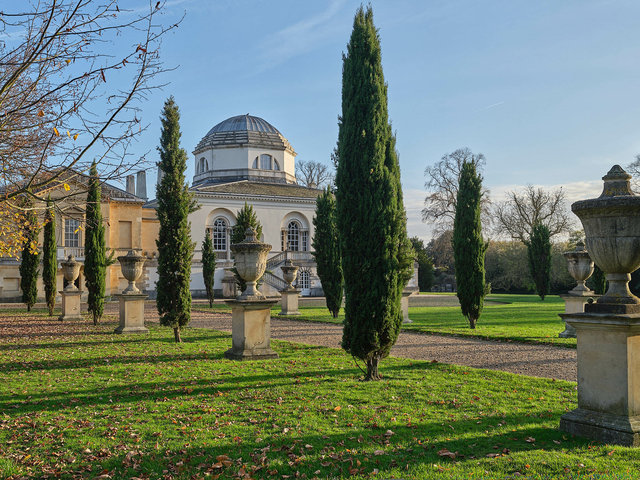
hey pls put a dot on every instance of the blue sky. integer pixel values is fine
(547, 90)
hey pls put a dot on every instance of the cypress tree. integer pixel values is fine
(96, 262)
(376, 254)
(539, 253)
(326, 243)
(208, 266)
(175, 248)
(245, 218)
(468, 247)
(30, 259)
(598, 282)
(49, 257)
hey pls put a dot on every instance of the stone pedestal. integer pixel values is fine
(70, 305)
(404, 303)
(608, 378)
(131, 313)
(251, 330)
(574, 304)
(229, 286)
(289, 302)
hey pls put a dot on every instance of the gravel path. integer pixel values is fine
(525, 359)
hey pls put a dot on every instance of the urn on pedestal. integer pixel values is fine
(580, 267)
(290, 294)
(608, 331)
(70, 294)
(131, 299)
(251, 311)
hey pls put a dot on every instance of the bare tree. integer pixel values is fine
(313, 174)
(517, 215)
(441, 183)
(634, 170)
(73, 74)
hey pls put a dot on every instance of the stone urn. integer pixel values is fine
(250, 258)
(71, 271)
(289, 273)
(131, 266)
(612, 228)
(580, 267)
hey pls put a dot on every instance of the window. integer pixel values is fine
(71, 232)
(304, 282)
(220, 230)
(265, 161)
(276, 165)
(256, 163)
(202, 165)
(293, 236)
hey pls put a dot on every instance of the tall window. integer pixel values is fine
(265, 162)
(220, 230)
(202, 165)
(276, 165)
(71, 232)
(293, 236)
(304, 282)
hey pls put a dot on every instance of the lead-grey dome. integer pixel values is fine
(243, 130)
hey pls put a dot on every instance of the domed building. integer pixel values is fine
(245, 159)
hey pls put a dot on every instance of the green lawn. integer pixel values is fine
(91, 404)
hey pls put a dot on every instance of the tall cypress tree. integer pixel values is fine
(208, 266)
(95, 252)
(468, 246)
(326, 243)
(30, 259)
(539, 253)
(376, 254)
(175, 248)
(49, 257)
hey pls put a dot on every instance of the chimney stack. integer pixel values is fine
(141, 184)
(131, 184)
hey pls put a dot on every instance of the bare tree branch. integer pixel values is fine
(313, 174)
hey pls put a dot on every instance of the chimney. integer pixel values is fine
(141, 184)
(131, 184)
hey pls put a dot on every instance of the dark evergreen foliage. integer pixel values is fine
(326, 243)
(95, 251)
(468, 246)
(208, 266)
(175, 248)
(245, 218)
(598, 282)
(30, 260)
(539, 253)
(426, 274)
(376, 254)
(49, 257)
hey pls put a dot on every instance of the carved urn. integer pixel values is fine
(71, 271)
(289, 273)
(580, 267)
(250, 258)
(612, 228)
(131, 266)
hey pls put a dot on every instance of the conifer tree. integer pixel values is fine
(96, 261)
(49, 257)
(376, 254)
(468, 246)
(208, 266)
(326, 243)
(30, 259)
(175, 248)
(539, 253)
(245, 218)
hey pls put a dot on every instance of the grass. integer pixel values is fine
(77, 401)
(520, 318)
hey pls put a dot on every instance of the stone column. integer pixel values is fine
(70, 294)
(131, 299)
(251, 311)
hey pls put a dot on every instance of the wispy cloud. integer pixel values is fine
(493, 105)
(299, 38)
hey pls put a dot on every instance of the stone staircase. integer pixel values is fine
(298, 258)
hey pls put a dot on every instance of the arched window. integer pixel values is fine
(202, 165)
(276, 165)
(304, 282)
(293, 236)
(220, 235)
(265, 162)
(256, 163)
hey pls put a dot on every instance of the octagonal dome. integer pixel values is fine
(241, 131)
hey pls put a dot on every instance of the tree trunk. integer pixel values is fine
(211, 302)
(51, 311)
(28, 308)
(472, 323)
(95, 319)
(335, 314)
(372, 369)
(176, 335)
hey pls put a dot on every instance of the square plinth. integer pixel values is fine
(251, 330)
(131, 314)
(608, 378)
(70, 305)
(289, 302)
